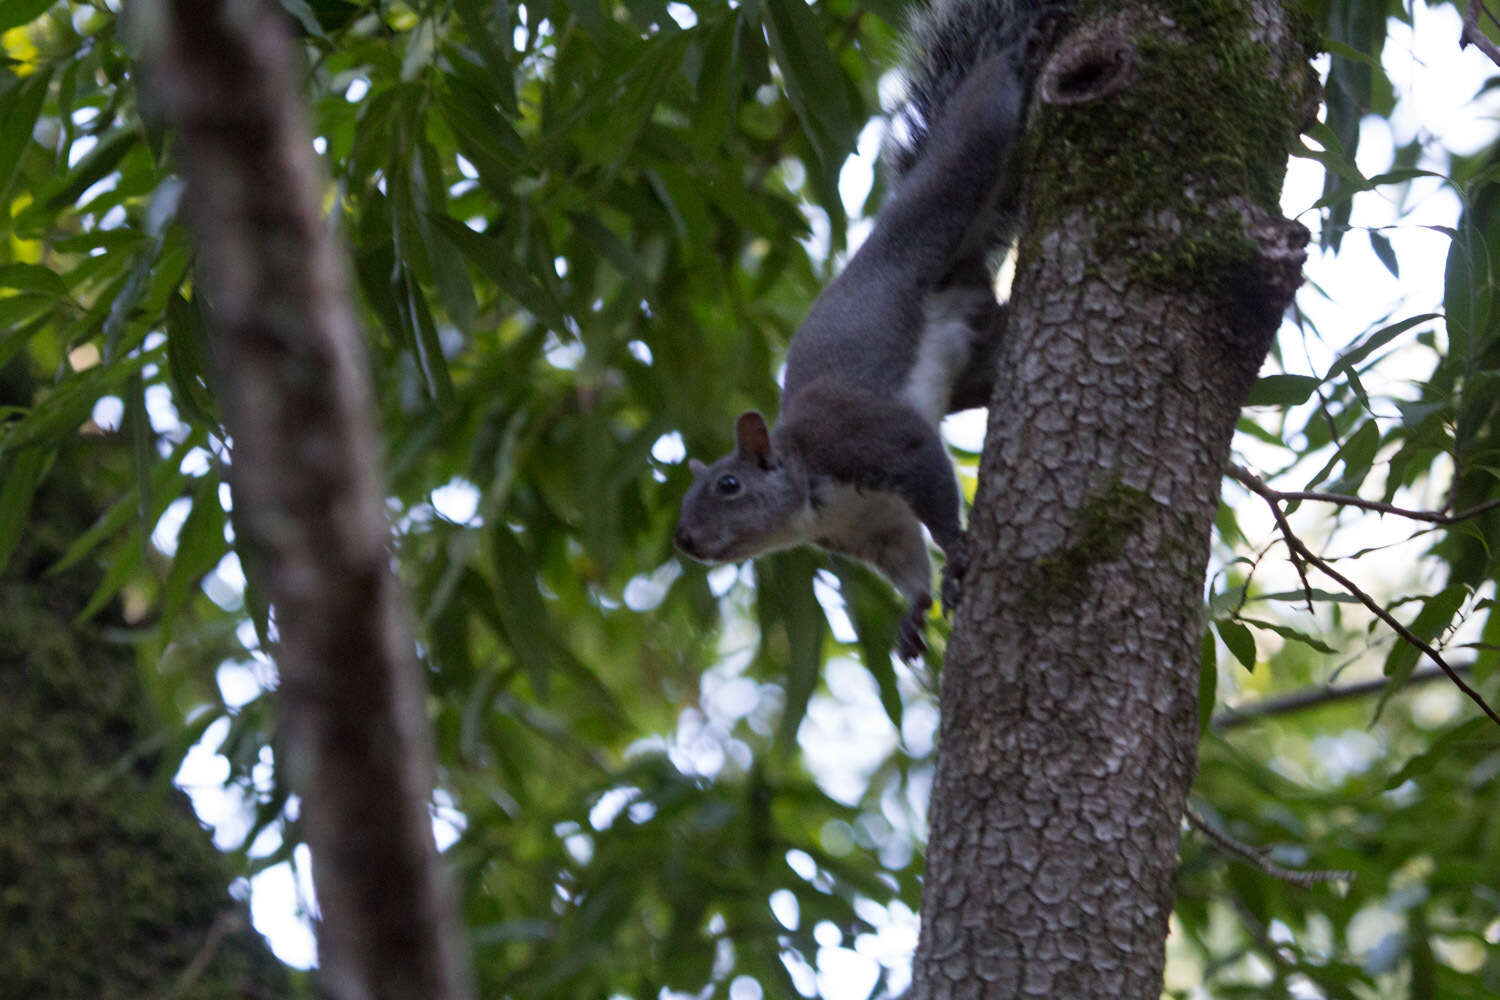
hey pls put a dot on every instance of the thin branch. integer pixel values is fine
(1474, 35)
(1292, 544)
(1239, 474)
(1258, 486)
(1296, 701)
(228, 920)
(1247, 853)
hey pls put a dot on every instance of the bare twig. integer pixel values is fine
(1247, 853)
(1258, 486)
(1292, 546)
(1245, 476)
(1474, 35)
(1315, 697)
(228, 920)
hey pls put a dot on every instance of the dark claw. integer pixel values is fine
(910, 645)
(953, 575)
(910, 641)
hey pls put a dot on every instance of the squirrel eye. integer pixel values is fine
(728, 485)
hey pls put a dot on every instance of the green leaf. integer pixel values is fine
(1333, 158)
(305, 17)
(1357, 455)
(613, 249)
(713, 111)
(487, 137)
(792, 625)
(1239, 640)
(814, 82)
(1282, 390)
(23, 473)
(14, 13)
(166, 479)
(1287, 632)
(200, 546)
(1208, 680)
(62, 411)
(257, 603)
(142, 447)
(1338, 48)
(1472, 733)
(421, 43)
(1436, 616)
(1375, 341)
(493, 260)
(1385, 252)
(19, 109)
(429, 350)
(519, 606)
(590, 17)
(99, 163)
(875, 614)
(33, 278)
(1299, 596)
(187, 349)
(497, 68)
(1467, 291)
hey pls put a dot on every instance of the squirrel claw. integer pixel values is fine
(953, 576)
(910, 639)
(910, 645)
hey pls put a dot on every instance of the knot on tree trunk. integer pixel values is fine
(1281, 246)
(1089, 68)
(1261, 293)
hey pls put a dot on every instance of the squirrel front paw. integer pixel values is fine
(954, 571)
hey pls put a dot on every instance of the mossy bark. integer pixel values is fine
(1154, 269)
(109, 886)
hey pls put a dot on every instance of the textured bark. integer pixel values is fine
(306, 489)
(1153, 273)
(109, 887)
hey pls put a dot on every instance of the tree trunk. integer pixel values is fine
(1154, 271)
(109, 887)
(296, 398)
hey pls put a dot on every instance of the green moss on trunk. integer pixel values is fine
(1105, 523)
(1177, 142)
(109, 887)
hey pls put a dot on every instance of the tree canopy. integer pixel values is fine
(580, 237)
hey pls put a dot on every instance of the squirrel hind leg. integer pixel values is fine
(954, 321)
(954, 570)
(972, 388)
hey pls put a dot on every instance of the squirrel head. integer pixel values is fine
(750, 501)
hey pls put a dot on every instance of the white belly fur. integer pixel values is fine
(879, 528)
(947, 342)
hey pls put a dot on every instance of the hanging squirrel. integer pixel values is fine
(905, 335)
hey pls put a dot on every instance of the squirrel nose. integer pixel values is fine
(684, 541)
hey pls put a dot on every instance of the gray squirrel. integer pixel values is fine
(903, 336)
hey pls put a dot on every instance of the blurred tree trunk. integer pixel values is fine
(109, 887)
(1153, 274)
(308, 493)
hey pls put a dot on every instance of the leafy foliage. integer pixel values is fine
(580, 237)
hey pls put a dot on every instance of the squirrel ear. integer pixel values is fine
(697, 468)
(751, 439)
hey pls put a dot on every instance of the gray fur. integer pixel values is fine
(855, 462)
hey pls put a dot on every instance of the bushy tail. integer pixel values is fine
(945, 40)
